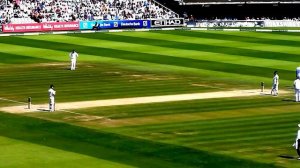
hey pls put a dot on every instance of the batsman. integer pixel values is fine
(51, 93)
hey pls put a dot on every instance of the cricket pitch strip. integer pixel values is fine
(134, 100)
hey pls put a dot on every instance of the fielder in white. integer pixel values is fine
(275, 84)
(297, 89)
(297, 142)
(298, 72)
(52, 93)
(73, 56)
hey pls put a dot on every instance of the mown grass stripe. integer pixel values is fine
(224, 132)
(165, 144)
(219, 43)
(251, 145)
(217, 123)
(228, 136)
(168, 60)
(96, 83)
(249, 34)
(184, 53)
(270, 35)
(186, 107)
(111, 146)
(195, 47)
(7, 58)
(243, 143)
(241, 139)
(232, 129)
(235, 37)
(235, 136)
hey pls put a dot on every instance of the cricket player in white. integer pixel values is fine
(298, 72)
(275, 84)
(73, 56)
(297, 89)
(297, 141)
(52, 93)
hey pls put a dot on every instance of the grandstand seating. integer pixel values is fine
(29, 11)
(192, 2)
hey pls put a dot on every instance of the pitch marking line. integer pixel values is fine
(135, 100)
(12, 101)
(67, 111)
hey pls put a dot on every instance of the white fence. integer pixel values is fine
(247, 23)
(281, 23)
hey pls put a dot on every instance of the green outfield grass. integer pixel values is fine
(255, 131)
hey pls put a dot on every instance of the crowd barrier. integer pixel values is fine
(114, 24)
(230, 23)
(176, 22)
(91, 25)
(138, 24)
(40, 27)
(246, 23)
(281, 23)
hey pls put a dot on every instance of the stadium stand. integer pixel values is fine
(2, 6)
(193, 2)
(235, 9)
(30, 11)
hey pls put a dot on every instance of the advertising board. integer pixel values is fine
(40, 27)
(167, 22)
(113, 24)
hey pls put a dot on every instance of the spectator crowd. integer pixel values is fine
(247, 22)
(30, 11)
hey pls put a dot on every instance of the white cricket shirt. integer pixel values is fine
(73, 55)
(51, 92)
(297, 84)
(275, 80)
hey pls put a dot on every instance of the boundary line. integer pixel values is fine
(153, 29)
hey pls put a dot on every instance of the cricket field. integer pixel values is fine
(237, 130)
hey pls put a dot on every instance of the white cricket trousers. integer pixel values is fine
(73, 64)
(297, 95)
(51, 104)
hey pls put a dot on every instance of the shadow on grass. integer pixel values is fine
(20, 59)
(287, 157)
(288, 100)
(112, 147)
